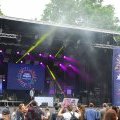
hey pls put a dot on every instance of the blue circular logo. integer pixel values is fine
(26, 77)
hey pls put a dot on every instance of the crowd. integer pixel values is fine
(80, 112)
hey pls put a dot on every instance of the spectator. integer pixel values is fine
(13, 115)
(20, 112)
(90, 113)
(6, 114)
(69, 113)
(47, 114)
(111, 115)
(34, 112)
(103, 110)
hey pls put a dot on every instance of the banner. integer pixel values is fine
(116, 77)
(70, 101)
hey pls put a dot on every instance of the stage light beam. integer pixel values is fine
(59, 51)
(52, 74)
(42, 39)
(54, 78)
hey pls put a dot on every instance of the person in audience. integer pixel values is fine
(118, 113)
(46, 114)
(82, 111)
(55, 113)
(13, 115)
(90, 113)
(111, 114)
(6, 114)
(34, 112)
(103, 110)
(68, 113)
(20, 112)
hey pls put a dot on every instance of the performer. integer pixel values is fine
(32, 93)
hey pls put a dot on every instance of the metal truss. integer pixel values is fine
(6, 35)
(105, 46)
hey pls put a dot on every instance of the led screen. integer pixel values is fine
(25, 77)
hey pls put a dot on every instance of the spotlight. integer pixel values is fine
(40, 54)
(69, 65)
(50, 55)
(64, 57)
(1, 51)
(60, 64)
(18, 52)
(21, 61)
(3, 80)
(41, 63)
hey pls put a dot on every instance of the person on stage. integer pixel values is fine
(32, 93)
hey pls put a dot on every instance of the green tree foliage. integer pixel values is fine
(1, 12)
(86, 13)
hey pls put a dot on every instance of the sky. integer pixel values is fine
(31, 9)
(28, 9)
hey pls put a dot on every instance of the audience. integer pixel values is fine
(80, 112)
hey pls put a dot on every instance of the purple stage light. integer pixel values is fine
(18, 52)
(21, 61)
(64, 57)
(69, 65)
(1, 51)
(50, 55)
(41, 63)
(72, 60)
(40, 54)
(74, 68)
(63, 67)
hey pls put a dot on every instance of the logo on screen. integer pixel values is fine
(26, 77)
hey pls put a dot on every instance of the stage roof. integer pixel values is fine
(16, 33)
(58, 25)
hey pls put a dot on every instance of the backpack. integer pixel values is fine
(73, 117)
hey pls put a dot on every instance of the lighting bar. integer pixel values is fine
(5, 35)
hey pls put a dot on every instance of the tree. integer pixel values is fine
(1, 12)
(86, 13)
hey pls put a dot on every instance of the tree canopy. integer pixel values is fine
(1, 12)
(85, 13)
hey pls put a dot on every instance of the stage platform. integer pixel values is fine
(9, 103)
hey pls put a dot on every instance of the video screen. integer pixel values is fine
(25, 77)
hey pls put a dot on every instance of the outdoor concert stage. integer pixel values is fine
(55, 60)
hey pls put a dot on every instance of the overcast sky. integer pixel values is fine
(31, 9)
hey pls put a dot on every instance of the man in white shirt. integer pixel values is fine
(69, 113)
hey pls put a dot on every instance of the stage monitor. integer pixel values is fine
(25, 77)
(44, 101)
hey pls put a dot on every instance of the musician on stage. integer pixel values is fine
(32, 93)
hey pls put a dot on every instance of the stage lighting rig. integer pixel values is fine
(6, 35)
